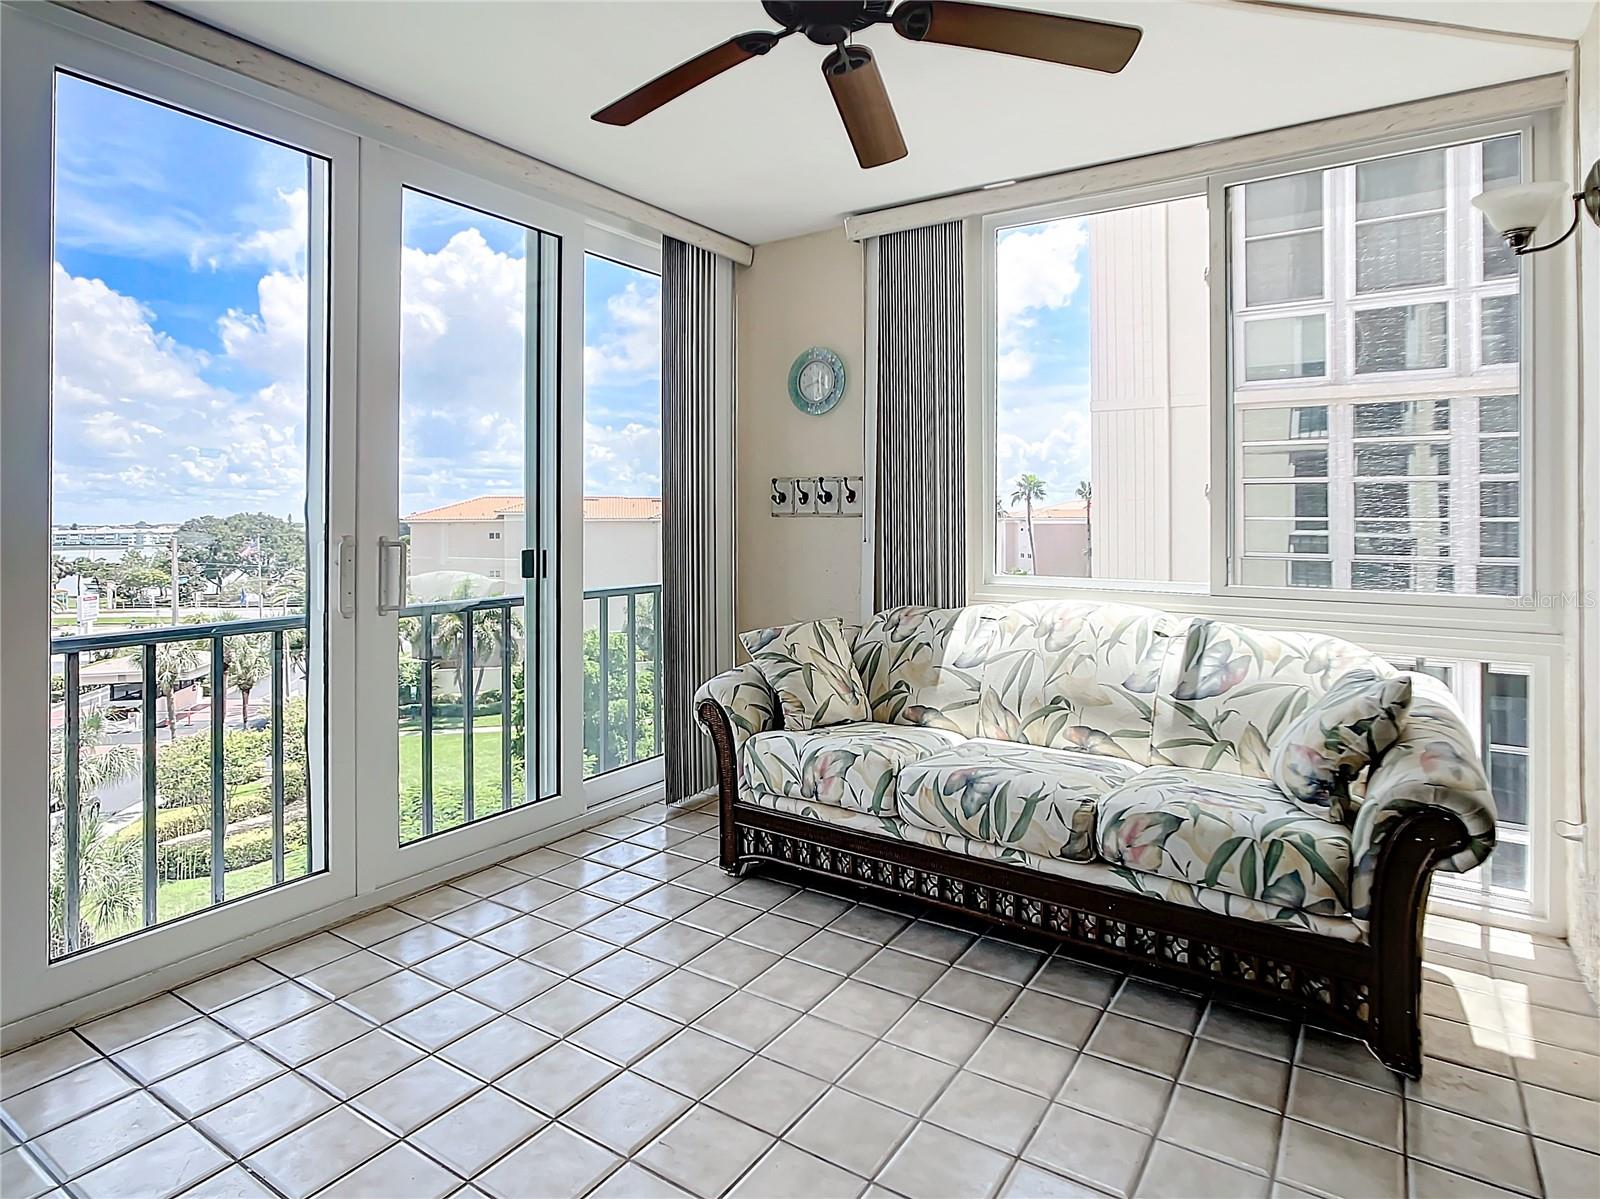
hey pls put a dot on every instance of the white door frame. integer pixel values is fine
(29, 982)
(381, 859)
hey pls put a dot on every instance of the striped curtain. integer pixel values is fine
(920, 498)
(697, 501)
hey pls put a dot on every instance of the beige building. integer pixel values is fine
(484, 536)
(1061, 532)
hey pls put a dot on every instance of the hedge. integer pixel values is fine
(192, 859)
(172, 823)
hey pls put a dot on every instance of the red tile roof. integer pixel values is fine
(493, 507)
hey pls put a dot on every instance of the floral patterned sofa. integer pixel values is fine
(1102, 774)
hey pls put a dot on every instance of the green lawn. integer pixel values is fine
(449, 773)
(182, 896)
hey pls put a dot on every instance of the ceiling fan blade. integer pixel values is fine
(669, 86)
(1071, 41)
(864, 106)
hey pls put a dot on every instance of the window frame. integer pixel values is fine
(983, 409)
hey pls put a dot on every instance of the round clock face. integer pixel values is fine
(816, 381)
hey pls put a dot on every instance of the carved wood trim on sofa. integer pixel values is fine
(1371, 991)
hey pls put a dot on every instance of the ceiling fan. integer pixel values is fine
(852, 74)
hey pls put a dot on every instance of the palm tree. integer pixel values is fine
(1026, 490)
(110, 881)
(249, 661)
(1085, 493)
(176, 662)
(98, 765)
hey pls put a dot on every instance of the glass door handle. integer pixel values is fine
(396, 584)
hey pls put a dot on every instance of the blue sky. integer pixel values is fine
(1042, 418)
(180, 304)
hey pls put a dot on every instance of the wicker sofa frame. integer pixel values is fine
(1371, 990)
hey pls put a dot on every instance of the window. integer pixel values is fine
(1406, 478)
(1102, 396)
(181, 416)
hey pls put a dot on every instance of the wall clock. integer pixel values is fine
(816, 381)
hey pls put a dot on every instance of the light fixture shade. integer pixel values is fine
(1519, 205)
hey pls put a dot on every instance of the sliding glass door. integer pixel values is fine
(460, 357)
(177, 312)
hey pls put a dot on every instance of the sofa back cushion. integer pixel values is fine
(1232, 692)
(1057, 674)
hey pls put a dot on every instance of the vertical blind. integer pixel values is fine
(697, 509)
(920, 527)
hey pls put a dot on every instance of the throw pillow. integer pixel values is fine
(1348, 729)
(809, 666)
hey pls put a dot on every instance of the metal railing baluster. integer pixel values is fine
(468, 699)
(219, 806)
(633, 677)
(655, 668)
(71, 815)
(278, 685)
(427, 723)
(149, 830)
(604, 759)
(507, 650)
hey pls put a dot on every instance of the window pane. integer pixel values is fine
(1387, 459)
(1499, 540)
(1291, 347)
(621, 514)
(1284, 463)
(1278, 572)
(1411, 337)
(1087, 398)
(185, 489)
(1278, 270)
(1403, 418)
(1498, 330)
(1283, 424)
(1285, 204)
(1498, 499)
(1396, 397)
(1505, 704)
(1499, 414)
(1508, 865)
(1286, 536)
(1499, 455)
(1409, 252)
(469, 343)
(1502, 164)
(1308, 500)
(1394, 186)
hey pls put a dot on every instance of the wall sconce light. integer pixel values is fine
(1516, 210)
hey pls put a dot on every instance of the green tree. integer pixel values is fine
(249, 662)
(110, 881)
(99, 765)
(616, 703)
(176, 663)
(1028, 489)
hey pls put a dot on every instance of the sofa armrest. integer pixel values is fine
(751, 706)
(1434, 765)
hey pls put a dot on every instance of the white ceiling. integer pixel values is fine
(758, 153)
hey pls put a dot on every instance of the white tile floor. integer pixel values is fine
(614, 1016)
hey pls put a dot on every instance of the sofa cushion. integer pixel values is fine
(1038, 800)
(1050, 673)
(847, 765)
(809, 668)
(1233, 691)
(1238, 835)
(1348, 728)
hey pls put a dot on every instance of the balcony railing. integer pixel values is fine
(201, 832)
(160, 677)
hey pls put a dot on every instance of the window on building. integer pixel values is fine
(1407, 477)
(1102, 392)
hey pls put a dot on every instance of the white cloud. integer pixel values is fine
(1036, 268)
(630, 349)
(140, 431)
(621, 460)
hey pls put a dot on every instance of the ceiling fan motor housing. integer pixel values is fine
(827, 22)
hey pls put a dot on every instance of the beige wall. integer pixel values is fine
(807, 291)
